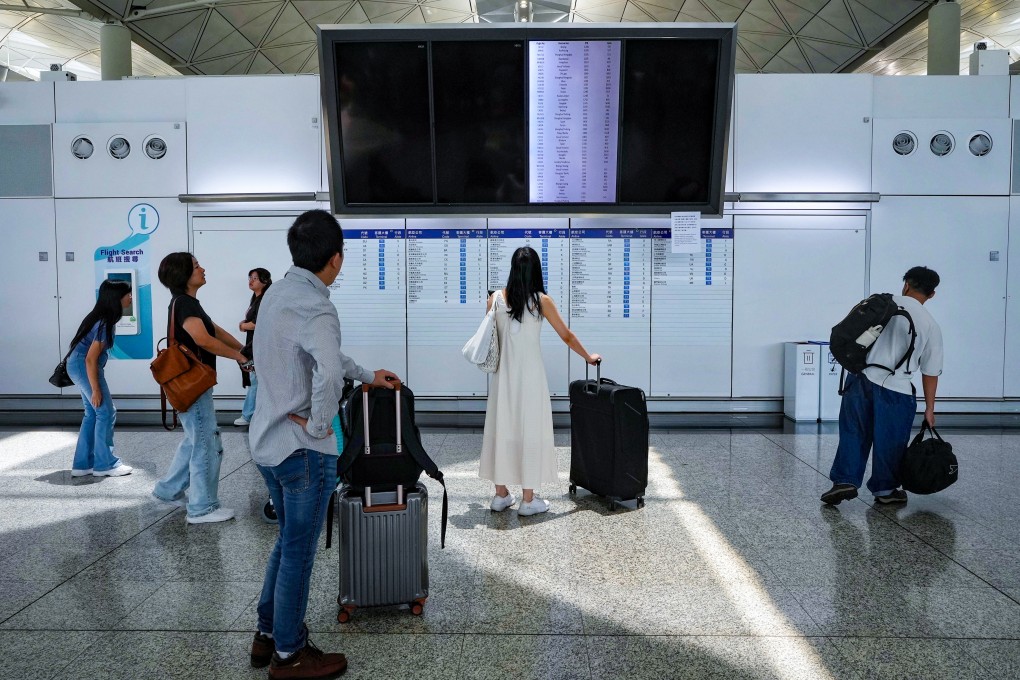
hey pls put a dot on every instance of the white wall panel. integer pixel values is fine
(121, 101)
(103, 176)
(796, 276)
(26, 103)
(30, 345)
(1011, 376)
(803, 133)
(959, 172)
(87, 228)
(1014, 96)
(955, 236)
(228, 247)
(941, 97)
(253, 134)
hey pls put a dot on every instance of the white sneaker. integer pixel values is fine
(241, 422)
(535, 507)
(118, 471)
(221, 515)
(501, 503)
(81, 473)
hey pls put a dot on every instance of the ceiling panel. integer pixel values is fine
(782, 36)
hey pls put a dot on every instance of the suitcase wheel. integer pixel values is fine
(572, 489)
(613, 505)
(640, 501)
(417, 608)
(344, 615)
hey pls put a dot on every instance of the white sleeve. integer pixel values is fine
(930, 360)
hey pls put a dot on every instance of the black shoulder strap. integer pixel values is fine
(905, 359)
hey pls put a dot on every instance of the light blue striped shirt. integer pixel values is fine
(300, 368)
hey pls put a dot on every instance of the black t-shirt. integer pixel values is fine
(188, 306)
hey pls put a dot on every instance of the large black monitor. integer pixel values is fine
(520, 118)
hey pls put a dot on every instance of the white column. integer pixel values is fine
(944, 39)
(114, 51)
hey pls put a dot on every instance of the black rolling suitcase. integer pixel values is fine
(608, 439)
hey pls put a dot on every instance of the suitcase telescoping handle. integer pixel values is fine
(593, 388)
(399, 505)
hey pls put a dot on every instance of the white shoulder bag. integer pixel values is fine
(483, 348)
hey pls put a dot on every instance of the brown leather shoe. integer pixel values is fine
(308, 662)
(262, 648)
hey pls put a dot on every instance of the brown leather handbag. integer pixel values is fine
(181, 375)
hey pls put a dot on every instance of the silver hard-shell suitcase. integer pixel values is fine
(383, 544)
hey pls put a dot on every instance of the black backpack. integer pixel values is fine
(929, 465)
(386, 466)
(853, 337)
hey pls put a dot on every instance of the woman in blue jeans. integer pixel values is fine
(86, 362)
(196, 465)
(259, 280)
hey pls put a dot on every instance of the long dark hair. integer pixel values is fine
(265, 278)
(107, 311)
(524, 286)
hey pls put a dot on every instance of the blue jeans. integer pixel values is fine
(95, 438)
(197, 461)
(300, 488)
(872, 416)
(248, 410)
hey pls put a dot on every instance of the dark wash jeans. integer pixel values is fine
(872, 416)
(300, 487)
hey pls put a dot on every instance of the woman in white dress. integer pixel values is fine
(517, 444)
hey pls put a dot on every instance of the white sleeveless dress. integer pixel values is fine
(517, 444)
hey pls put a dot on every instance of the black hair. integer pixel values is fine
(175, 271)
(524, 286)
(922, 279)
(107, 311)
(313, 239)
(264, 277)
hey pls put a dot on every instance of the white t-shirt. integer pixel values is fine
(894, 341)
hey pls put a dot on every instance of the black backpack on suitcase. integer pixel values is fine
(385, 465)
(608, 439)
(929, 465)
(853, 337)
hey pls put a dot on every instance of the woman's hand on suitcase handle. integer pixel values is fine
(303, 422)
(594, 359)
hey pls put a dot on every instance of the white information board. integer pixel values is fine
(692, 313)
(446, 293)
(550, 237)
(610, 297)
(370, 294)
(574, 107)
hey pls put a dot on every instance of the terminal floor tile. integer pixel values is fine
(732, 569)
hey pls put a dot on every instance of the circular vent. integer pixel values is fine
(119, 148)
(155, 148)
(904, 143)
(82, 147)
(942, 144)
(980, 144)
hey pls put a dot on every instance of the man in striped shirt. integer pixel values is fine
(301, 372)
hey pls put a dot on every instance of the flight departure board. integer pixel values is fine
(692, 311)
(446, 292)
(370, 294)
(550, 237)
(574, 112)
(610, 296)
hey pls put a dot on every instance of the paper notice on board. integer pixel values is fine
(685, 230)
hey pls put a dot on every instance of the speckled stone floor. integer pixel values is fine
(733, 569)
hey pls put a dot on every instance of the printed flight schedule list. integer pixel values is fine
(610, 300)
(692, 310)
(552, 244)
(574, 107)
(370, 295)
(446, 293)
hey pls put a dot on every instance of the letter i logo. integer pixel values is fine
(141, 219)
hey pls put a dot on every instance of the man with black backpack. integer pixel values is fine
(301, 376)
(879, 400)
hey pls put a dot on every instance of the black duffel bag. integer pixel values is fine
(929, 465)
